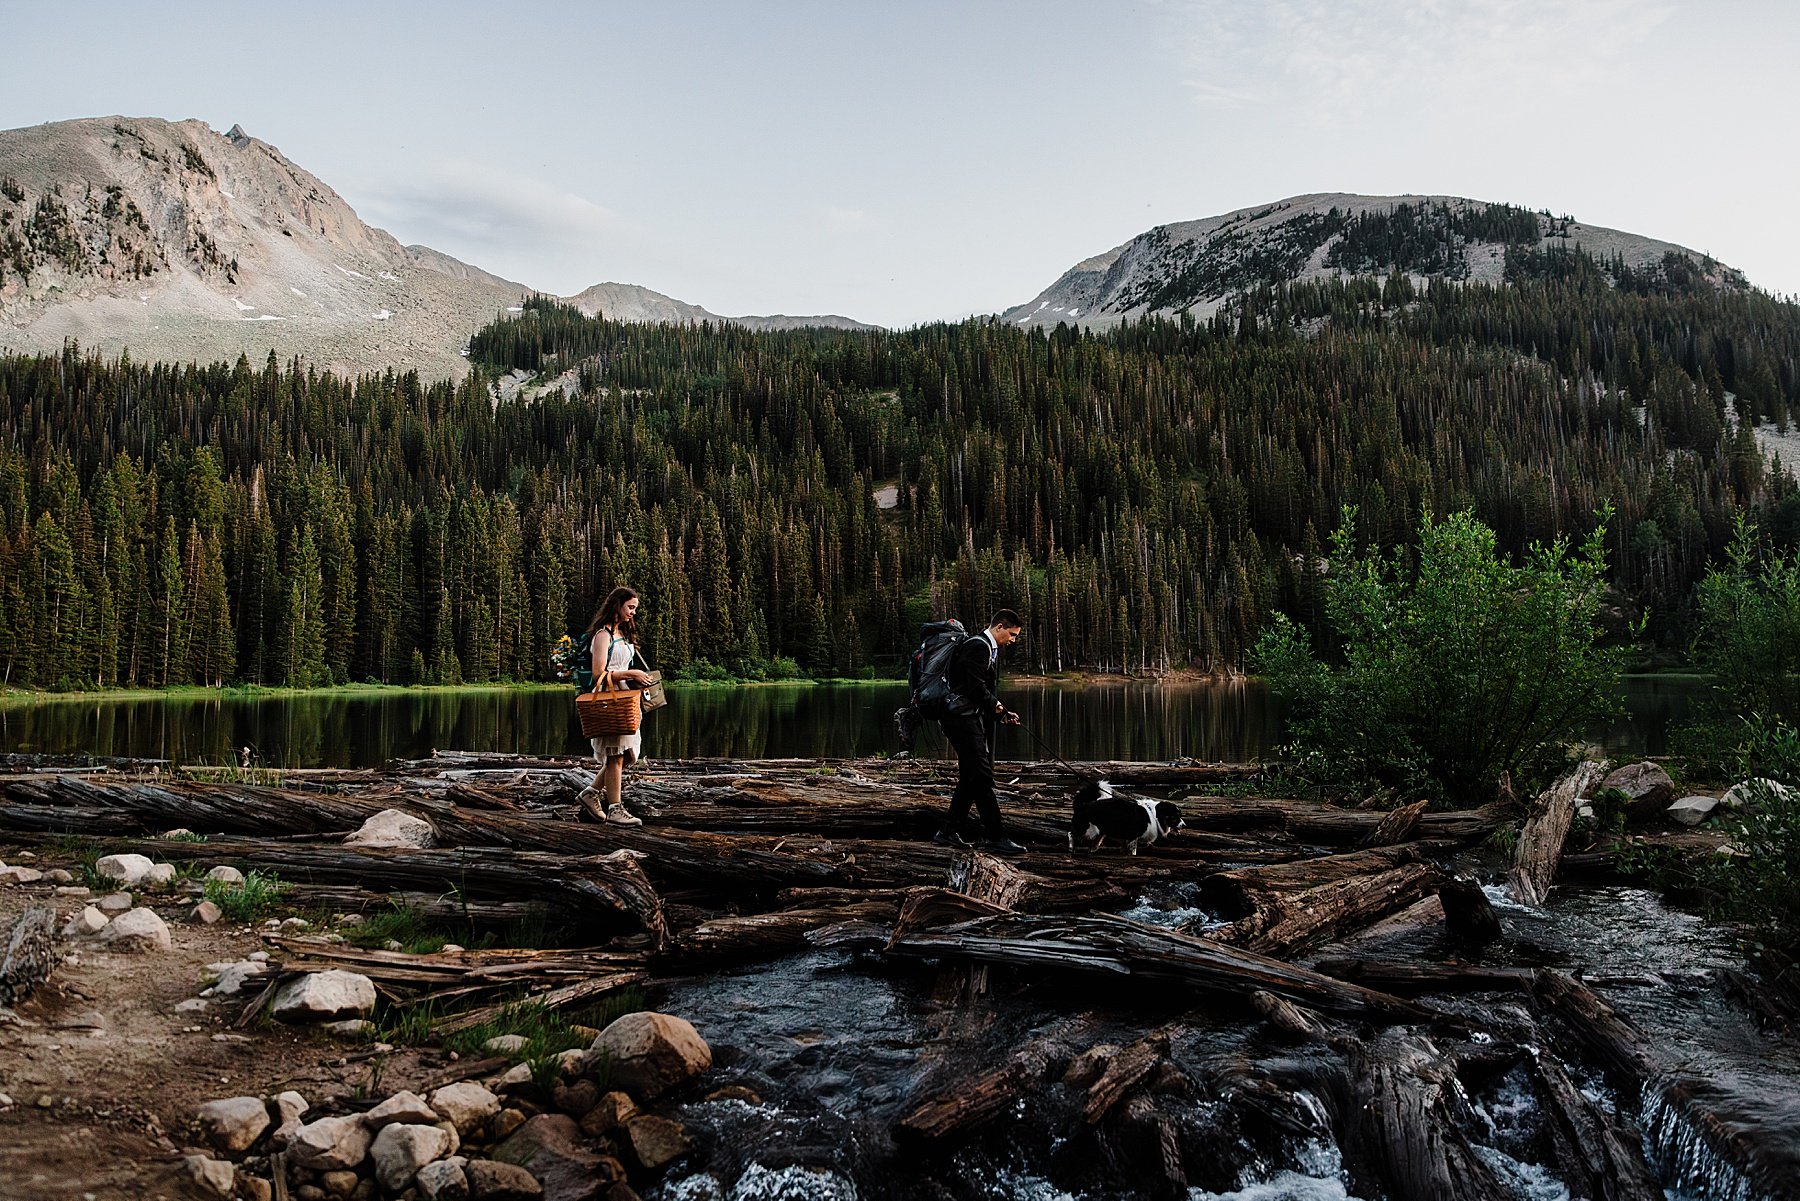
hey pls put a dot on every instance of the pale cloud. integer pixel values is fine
(852, 221)
(1339, 61)
(477, 204)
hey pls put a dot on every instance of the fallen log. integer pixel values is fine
(1241, 891)
(609, 890)
(1545, 829)
(960, 1104)
(1291, 922)
(1404, 1120)
(1760, 1146)
(766, 935)
(1421, 979)
(1597, 1156)
(1397, 825)
(1123, 1072)
(1103, 943)
(1468, 915)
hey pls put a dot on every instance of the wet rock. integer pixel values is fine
(493, 1181)
(620, 1191)
(576, 1098)
(657, 1142)
(399, 1151)
(88, 922)
(225, 875)
(330, 1143)
(515, 1077)
(339, 1184)
(324, 996)
(234, 1123)
(650, 1053)
(735, 1092)
(392, 828)
(214, 1176)
(126, 869)
(465, 1105)
(444, 1180)
(609, 1113)
(137, 930)
(505, 1044)
(1647, 786)
(401, 1107)
(1692, 810)
(549, 1147)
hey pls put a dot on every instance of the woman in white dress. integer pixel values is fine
(614, 645)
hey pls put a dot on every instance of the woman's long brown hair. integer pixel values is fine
(610, 614)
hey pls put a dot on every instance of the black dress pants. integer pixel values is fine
(974, 745)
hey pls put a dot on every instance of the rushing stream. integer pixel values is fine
(835, 1045)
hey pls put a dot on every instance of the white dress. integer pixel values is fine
(608, 745)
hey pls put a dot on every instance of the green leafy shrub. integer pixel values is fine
(1749, 614)
(1758, 882)
(1458, 665)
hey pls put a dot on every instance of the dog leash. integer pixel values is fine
(1046, 748)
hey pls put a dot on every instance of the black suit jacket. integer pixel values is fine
(973, 679)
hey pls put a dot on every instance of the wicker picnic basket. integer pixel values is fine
(609, 712)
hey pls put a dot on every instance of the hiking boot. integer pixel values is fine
(593, 805)
(1000, 846)
(618, 815)
(950, 838)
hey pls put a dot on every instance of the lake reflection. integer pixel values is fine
(1214, 720)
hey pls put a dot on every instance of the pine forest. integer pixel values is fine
(797, 502)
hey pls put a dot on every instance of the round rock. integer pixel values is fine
(234, 1123)
(401, 1150)
(126, 869)
(392, 828)
(138, 930)
(651, 1053)
(226, 875)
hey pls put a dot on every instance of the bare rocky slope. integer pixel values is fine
(1197, 267)
(174, 242)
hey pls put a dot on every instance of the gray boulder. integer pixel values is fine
(137, 930)
(234, 1123)
(330, 1144)
(1647, 786)
(323, 997)
(401, 1107)
(392, 828)
(1692, 810)
(128, 870)
(402, 1149)
(464, 1105)
(650, 1053)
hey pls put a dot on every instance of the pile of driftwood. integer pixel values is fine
(752, 860)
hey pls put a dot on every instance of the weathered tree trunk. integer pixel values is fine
(1598, 1157)
(965, 1101)
(1240, 892)
(1108, 944)
(1291, 922)
(1468, 915)
(1541, 839)
(1397, 825)
(767, 935)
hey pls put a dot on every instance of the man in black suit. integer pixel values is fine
(975, 715)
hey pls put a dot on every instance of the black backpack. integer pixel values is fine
(938, 640)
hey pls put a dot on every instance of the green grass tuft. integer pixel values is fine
(252, 901)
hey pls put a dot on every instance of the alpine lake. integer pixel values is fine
(1105, 719)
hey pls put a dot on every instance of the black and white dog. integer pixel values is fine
(1099, 815)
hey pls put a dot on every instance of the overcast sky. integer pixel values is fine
(900, 162)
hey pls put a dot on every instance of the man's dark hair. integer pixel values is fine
(1007, 619)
